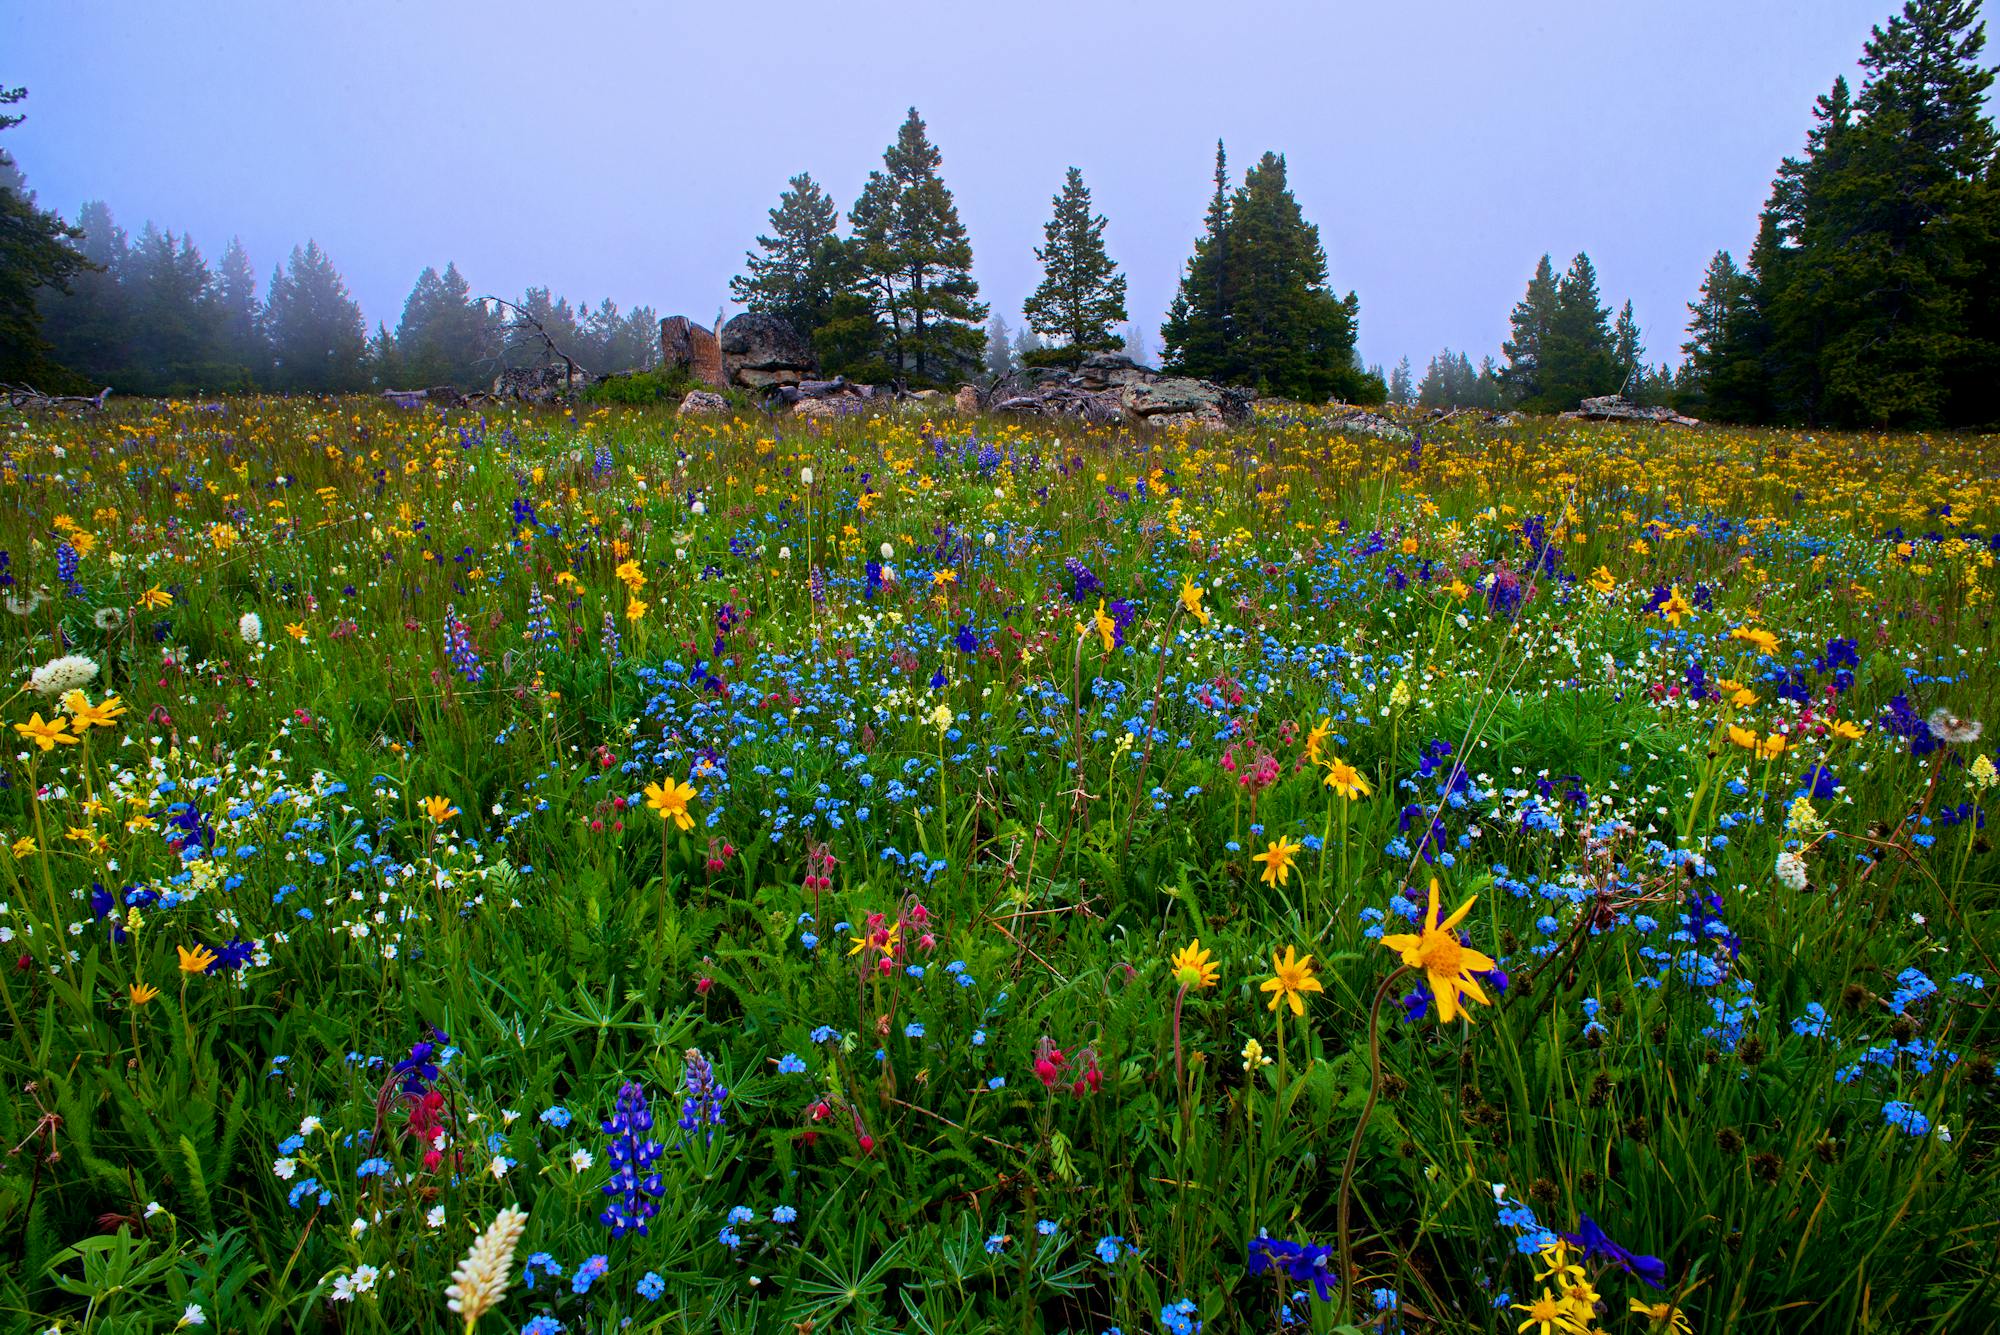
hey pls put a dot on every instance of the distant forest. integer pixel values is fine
(1871, 296)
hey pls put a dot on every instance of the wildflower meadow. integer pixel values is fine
(523, 870)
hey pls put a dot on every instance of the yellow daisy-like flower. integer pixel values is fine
(47, 734)
(1448, 964)
(1278, 860)
(1602, 579)
(1106, 628)
(196, 960)
(156, 598)
(1191, 595)
(142, 993)
(1193, 967)
(1291, 978)
(296, 629)
(1548, 1316)
(1664, 1316)
(1317, 739)
(1743, 737)
(83, 714)
(1346, 780)
(438, 810)
(1675, 608)
(671, 801)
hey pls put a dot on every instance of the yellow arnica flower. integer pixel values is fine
(1664, 1316)
(438, 810)
(141, 993)
(1277, 860)
(1193, 966)
(1546, 1316)
(45, 734)
(1448, 964)
(671, 801)
(1317, 739)
(1602, 579)
(1765, 641)
(196, 960)
(1743, 737)
(1675, 607)
(1851, 731)
(1191, 594)
(1291, 977)
(1107, 629)
(83, 714)
(1346, 780)
(1772, 747)
(156, 598)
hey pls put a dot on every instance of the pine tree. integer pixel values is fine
(1723, 291)
(88, 324)
(1135, 343)
(915, 262)
(1082, 295)
(795, 277)
(318, 339)
(36, 253)
(175, 321)
(1402, 389)
(240, 341)
(1889, 241)
(1533, 321)
(999, 352)
(1577, 354)
(1196, 331)
(1628, 352)
(1277, 326)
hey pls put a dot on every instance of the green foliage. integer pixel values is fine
(1081, 297)
(910, 262)
(1867, 298)
(798, 274)
(1254, 307)
(36, 254)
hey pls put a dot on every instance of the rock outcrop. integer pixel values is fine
(541, 385)
(1365, 423)
(763, 352)
(688, 346)
(1618, 408)
(1111, 387)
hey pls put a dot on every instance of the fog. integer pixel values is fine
(632, 150)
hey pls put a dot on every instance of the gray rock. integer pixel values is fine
(702, 403)
(1618, 408)
(541, 385)
(687, 345)
(1368, 424)
(763, 352)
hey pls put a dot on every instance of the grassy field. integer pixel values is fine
(954, 876)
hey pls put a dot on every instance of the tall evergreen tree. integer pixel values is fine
(89, 324)
(1628, 351)
(1135, 342)
(37, 252)
(1723, 290)
(914, 262)
(999, 352)
(1578, 360)
(1196, 332)
(1277, 327)
(1533, 322)
(1081, 297)
(1889, 243)
(240, 340)
(1402, 388)
(796, 276)
(318, 339)
(175, 321)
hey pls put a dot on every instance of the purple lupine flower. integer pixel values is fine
(634, 1187)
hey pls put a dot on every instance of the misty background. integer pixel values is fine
(633, 150)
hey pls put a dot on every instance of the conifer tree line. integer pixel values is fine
(1871, 296)
(894, 300)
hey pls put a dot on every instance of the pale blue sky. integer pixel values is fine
(632, 149)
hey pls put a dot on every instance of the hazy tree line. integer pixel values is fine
(84, 304)
(1870, 297)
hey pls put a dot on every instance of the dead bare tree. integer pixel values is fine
(522, 325)
(26, 396)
